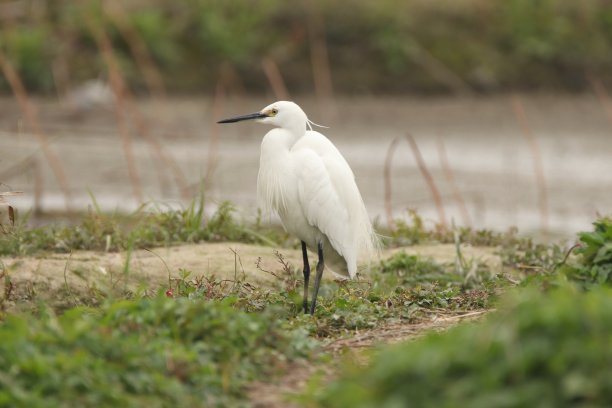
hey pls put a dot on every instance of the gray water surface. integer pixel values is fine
(490, 157)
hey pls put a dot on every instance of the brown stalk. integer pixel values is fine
(441, 72)
(320, 59)
(138, 47)
(118, 88)
(275, 78)
(213, 143)
(28, 164)
(5, 194)
(11, 210)
(435, 193)
(536, 154)
(38, 186)
(155, 84)
(387, 176)
(142, 128)
(31, 117)
(602, 96)
(61, 75)
(231, 79)
(450, 178)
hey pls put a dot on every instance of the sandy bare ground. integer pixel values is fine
(151, 269)
(46, 277)
(281, 392)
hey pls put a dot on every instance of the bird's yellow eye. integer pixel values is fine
(273, 112)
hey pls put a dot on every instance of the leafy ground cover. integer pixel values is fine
(594, 265)
(537, 350)
(145, 228)
(548, 344)
(145, 352)
(202, 339)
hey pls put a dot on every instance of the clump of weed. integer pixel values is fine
(142, 229)
(521, 256)
(593, 266)
(535, 351)
(344, 306)
(530, 258)
(429, 283)
(153, 352)
(411, 269)
(413, 231)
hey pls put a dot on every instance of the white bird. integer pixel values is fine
(306, 181)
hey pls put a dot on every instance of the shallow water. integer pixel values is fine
(491, 161)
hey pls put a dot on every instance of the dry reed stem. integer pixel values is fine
(143, 131)
(602, 96)
(319, 57)
(118, 89)
(155, 84)
(38, 186)
(28, 164)
(450, 178)
(536, 154)
(156, 87)
(138, 47)
(31, 117)
(11, 210)
(387, 177)
(61, 75)
(435, 193)
(213, 143)
(276, 79)
(441, 72)
(4, 194)
(231, 80)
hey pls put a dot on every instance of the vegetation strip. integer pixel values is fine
(511, 44)
(204, 340)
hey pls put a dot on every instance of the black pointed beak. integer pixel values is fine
(256, 115)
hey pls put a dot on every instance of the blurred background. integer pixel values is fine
(482, 113)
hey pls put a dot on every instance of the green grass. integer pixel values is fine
(546, 345)
(146, 352)
(537, 350)
(443, 45)
(344, 307)
(145, 228)
(594, 263)
(200, 340)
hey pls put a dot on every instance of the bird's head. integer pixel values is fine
(282, 114)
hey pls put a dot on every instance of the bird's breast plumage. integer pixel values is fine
(308, 183)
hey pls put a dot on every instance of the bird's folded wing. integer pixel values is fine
(321, 201)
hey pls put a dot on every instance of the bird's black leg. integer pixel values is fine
(306, 276)
(320, 267)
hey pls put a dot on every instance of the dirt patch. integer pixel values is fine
(52, 275)
(282, 392)
(148, 269)
(153, 268)
(400, 331)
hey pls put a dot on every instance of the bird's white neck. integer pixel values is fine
(296, 130)
(274, 166)
(279, 141)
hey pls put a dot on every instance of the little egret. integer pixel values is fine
(304, 178)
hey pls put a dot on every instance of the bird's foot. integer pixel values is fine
(306, 307)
